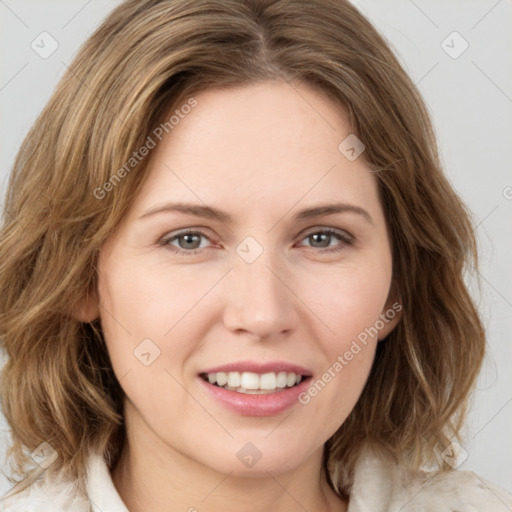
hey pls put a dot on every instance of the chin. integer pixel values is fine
(257, 457)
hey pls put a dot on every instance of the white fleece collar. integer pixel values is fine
(100, 487)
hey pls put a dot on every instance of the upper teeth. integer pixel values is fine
(254, 381)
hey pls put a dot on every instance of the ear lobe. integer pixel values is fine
(390, 317)
(88, 309)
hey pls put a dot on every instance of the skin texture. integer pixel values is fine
(262, 153)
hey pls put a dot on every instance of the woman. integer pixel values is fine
(225, 258)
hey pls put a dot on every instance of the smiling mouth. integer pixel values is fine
(253, 383)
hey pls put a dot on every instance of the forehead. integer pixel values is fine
(261, 146)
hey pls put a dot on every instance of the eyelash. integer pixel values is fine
(345, 238)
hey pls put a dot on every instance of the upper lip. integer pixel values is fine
(260, 367)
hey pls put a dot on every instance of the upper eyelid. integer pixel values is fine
(308, 231)
(326, 228)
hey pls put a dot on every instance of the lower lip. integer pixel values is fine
(269, 404)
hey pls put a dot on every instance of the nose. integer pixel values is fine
(260, 298)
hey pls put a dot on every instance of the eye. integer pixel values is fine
(188, 242)
(324, 237)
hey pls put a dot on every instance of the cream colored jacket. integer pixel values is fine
(379, 486)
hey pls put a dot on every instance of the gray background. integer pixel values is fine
(470, 99)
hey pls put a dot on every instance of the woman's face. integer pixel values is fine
(290, 282)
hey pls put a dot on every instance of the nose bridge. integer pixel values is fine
(258, 301)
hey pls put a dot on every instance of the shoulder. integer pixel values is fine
(381, 485)
(60, 494)
(46, 495)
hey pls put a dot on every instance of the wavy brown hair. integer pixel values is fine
(147, 58)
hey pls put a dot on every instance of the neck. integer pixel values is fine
(151, 475)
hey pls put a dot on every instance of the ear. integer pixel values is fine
(88, 308)
(391, 314)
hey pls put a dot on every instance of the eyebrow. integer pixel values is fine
(210, 212)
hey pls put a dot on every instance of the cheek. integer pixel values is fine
(141, 319)
(139, 311)
(347, 299)
(350, 302)
(348, 358)
(146, 297)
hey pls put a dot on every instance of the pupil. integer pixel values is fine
(188, 238)
(317, 236)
